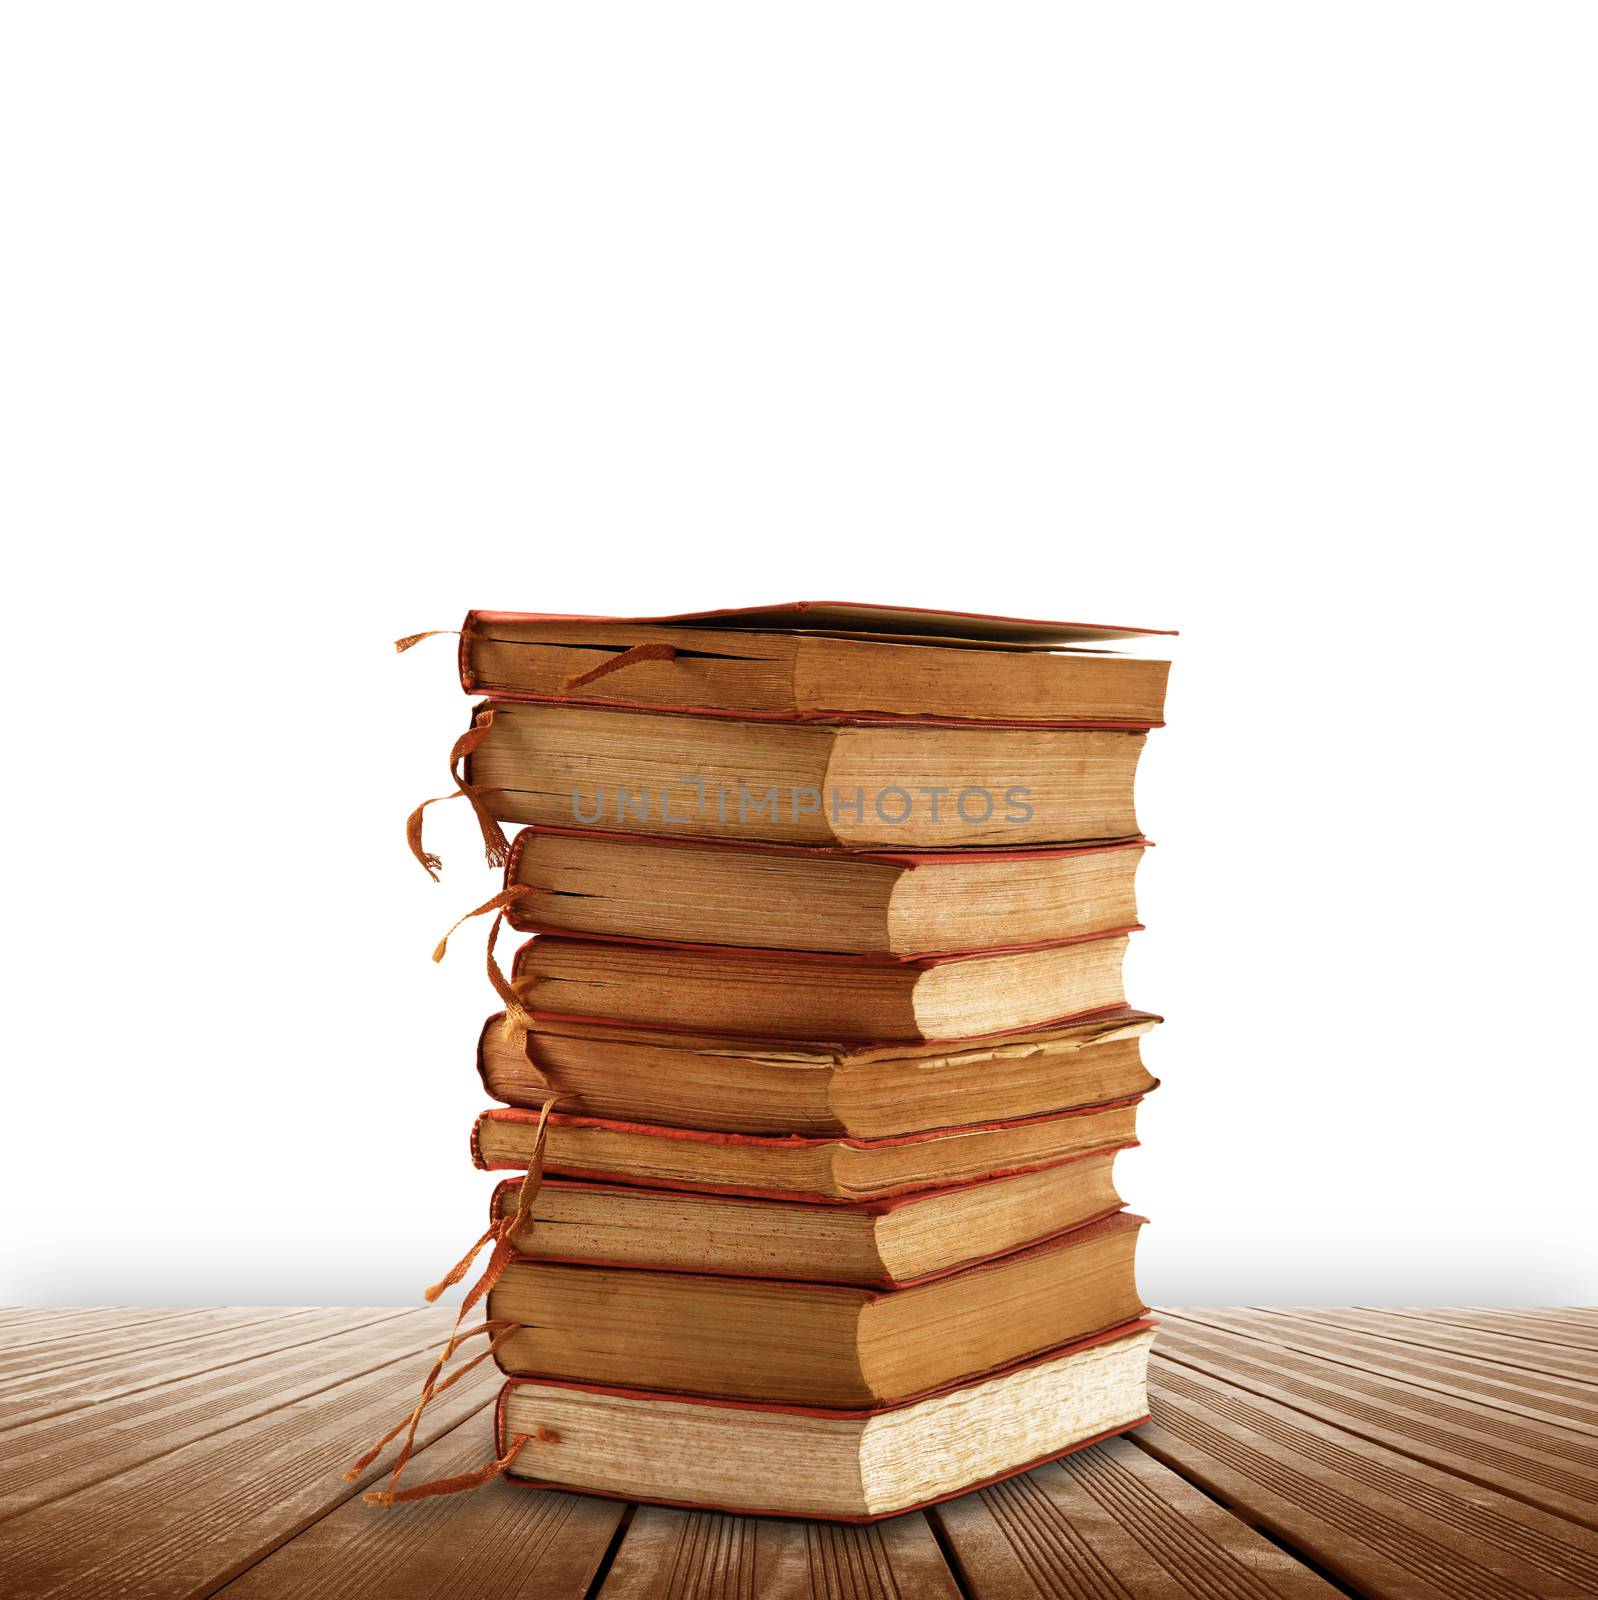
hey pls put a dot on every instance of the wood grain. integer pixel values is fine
(1540, 1462)
(1113, 1524)
(186, 1520)
(1497, 1319)
(1572, 1404)
(56, 1455)
(675, 1555)
(1381, 1522)
(17, 1316)
(503, 1542)
(1576, 1316)
(30, 1396)
(50, 1345)
(1500, 1348)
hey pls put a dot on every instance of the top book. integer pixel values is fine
(820, 660)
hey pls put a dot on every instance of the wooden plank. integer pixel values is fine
(702, 1555)
(190, 1520)
(44, 1460)
(29, 1397)
(1494, 1347)
(68, 1351)
(1111, 1523)
(1573, 1316)
(1378, 1521)
(1539, 1462)
(51, 1339)
(64, 1348)
(15, 1317)
(1493, 1319)
(500, 1542)
(1558, 1400)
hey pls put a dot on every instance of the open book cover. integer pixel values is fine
(821, 661)
(863, 617)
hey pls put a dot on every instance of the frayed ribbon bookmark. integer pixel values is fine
(627, 658)
(517, 1021)
(496, 848)
(502, 1233)
(433, 1386)
(456, 1485)
(411, 640)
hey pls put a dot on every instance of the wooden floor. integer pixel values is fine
(1311, 1451)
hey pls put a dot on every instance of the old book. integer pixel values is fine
(878, 1243)
(795, 1167)
(730, 1084)
(814, 1343)
(799, 664)
(801, 897)
(901, 787)
(809, 994)
(847, 1465)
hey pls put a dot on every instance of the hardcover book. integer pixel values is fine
(852, 1465)
(818, 660)
(809, 994)
(795, 1167)
(899, 787)
(826, 1344)
(607, 884)
(733, 1084)
(877, 1243)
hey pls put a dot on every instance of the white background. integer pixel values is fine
(324, 322)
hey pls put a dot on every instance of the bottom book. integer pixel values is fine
(844, 1465)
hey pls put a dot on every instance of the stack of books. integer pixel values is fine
(813, 1070)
